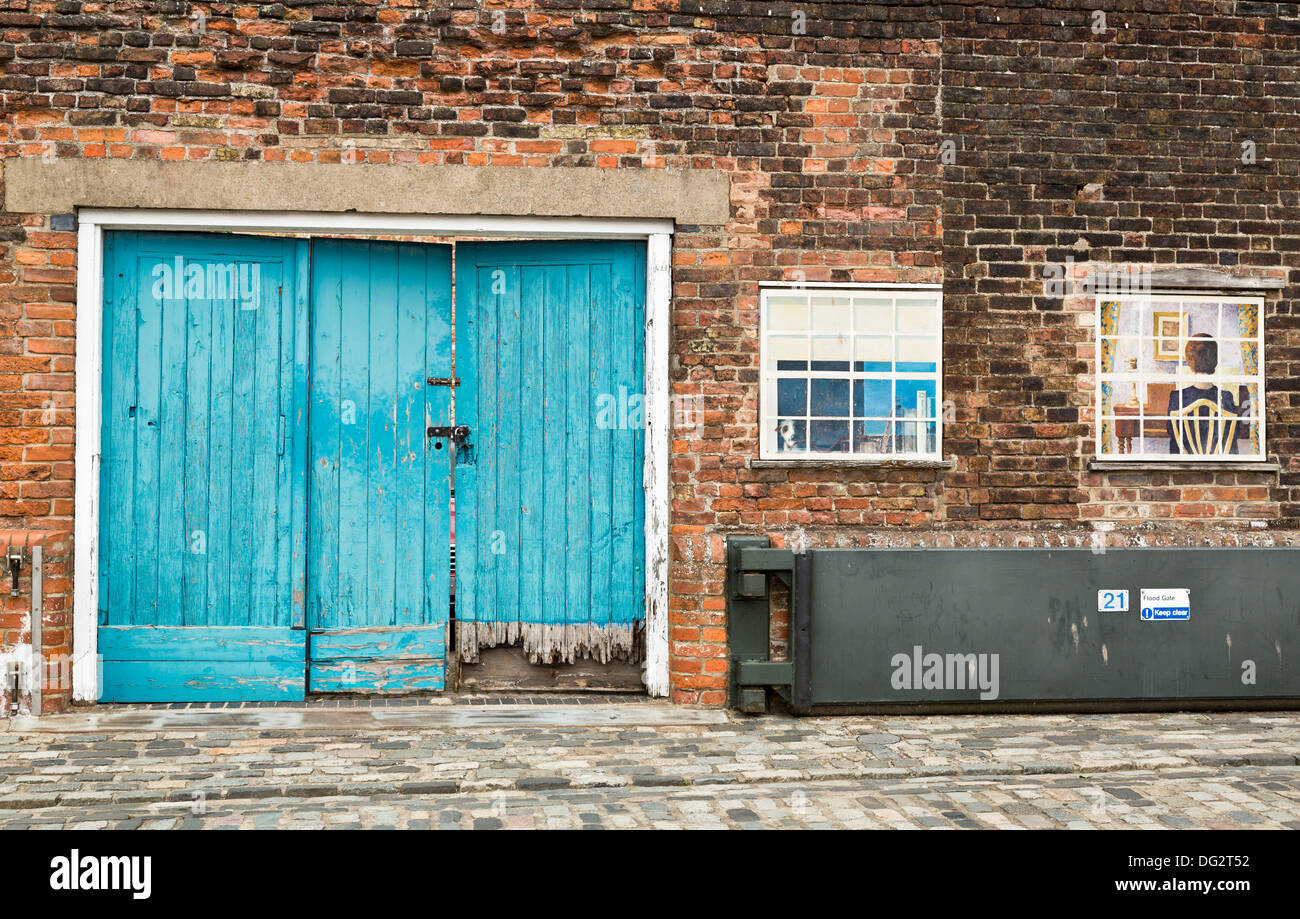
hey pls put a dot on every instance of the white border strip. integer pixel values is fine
(89, 371)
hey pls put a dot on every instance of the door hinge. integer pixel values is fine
(443, 381)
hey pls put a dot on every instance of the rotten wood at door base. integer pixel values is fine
(508, 669)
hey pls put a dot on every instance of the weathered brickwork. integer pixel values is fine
(968, 143)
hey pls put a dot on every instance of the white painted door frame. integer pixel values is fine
(92, 222)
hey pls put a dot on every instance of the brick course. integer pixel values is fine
(1118, 147)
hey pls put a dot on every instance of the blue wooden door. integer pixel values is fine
(379, 537)
(550, 547)
(203, 459)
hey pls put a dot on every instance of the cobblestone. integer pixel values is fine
(1155, 770)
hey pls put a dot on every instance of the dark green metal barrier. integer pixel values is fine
(1007, 628)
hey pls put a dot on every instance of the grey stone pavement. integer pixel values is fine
(645, 764)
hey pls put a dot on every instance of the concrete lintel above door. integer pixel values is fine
(689, 197)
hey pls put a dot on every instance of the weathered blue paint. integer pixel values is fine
(400, 641)
(203, 681)
(201, 643)
(379, 503)
(202, 500)
(378, 676)
(550, 527)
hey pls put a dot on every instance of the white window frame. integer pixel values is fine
(1174, 459)
(767, 434)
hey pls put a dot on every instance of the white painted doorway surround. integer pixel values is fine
(92, 222)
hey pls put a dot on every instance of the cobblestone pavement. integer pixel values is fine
(1202, 799)
(1158, 770)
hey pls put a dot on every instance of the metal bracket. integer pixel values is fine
(15, 558)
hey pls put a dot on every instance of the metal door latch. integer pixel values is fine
(443, 381)
(15, 558)
(457, 435)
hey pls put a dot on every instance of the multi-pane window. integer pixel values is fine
(1180, 377)
(851, 373)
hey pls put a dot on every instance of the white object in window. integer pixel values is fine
(851, 373)
(1180, 378)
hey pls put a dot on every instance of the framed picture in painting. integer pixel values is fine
(1168, 330)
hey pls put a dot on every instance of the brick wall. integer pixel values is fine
(53, 673)
(1119, 146)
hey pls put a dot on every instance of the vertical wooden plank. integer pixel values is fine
(598, 304)
(555, 434)
(326, 398)
(625, 467)
(637, 332)
(120, 367)
(531, 454)
(198, 370)
(263, 525)
(173, 466)
(221, 413)
(436, 404)
(469, 326)
(148, 412)
(509, 413)
(579, 416)
(409, 479)
(487, 495)
(354, 466)
(295, 406)
(244, 428)
(381, 437)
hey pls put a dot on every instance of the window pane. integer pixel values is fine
(873, 315)
(873, 354)
(916, 354)
(830, 398)
(830, 352)
(871, 398)
(785, 352)
(830, 314)
(914, 437)
(917, 316)
(915, 398)
(787, 314)
(792, 397)
(872, 437)
(829, 436)
(791, 436)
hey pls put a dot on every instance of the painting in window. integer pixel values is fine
(1180, 378)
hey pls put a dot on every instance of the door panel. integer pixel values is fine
(203, 499)
(551, 551)
(379, 509)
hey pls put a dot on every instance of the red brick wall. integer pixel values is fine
(55, 672)
(832, 137)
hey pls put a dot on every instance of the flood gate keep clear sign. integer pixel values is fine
(1166, 603)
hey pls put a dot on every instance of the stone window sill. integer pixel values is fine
(844, 463)
(1097, 465)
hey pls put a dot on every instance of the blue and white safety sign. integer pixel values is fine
(1165, 604)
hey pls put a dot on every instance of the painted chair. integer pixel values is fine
(1204, 427)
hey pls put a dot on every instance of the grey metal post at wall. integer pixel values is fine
(999, 629)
